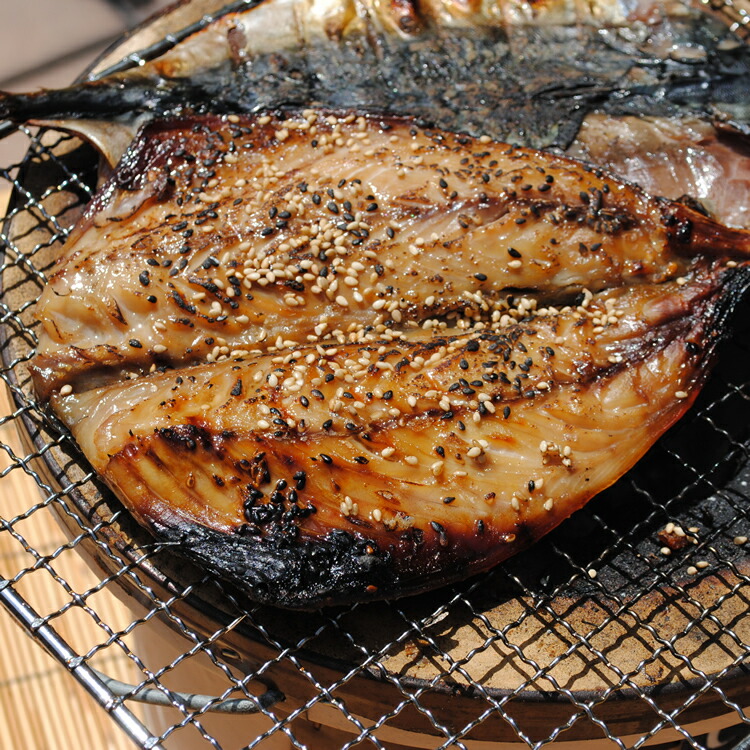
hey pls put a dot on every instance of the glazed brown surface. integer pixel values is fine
(217, 237)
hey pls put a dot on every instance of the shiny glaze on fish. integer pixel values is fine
(220, 237)
(527, 72)
(434, 458)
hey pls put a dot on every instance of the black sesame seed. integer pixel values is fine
(304, 401)
(506, 412)
(448, 500)
(326, 458)
(328, 424)
(480, 276)
(135, 344)
(332, 207)
(143, 277)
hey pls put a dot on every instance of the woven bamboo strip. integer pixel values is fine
(41, 706)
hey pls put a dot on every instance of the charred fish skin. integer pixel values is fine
(417, 485)
(505, 69)
(222, 236)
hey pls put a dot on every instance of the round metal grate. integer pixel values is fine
(592, 635)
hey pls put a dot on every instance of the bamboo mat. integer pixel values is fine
(42, 707)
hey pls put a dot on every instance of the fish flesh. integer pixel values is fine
(438, 458)
(526, 328)
(514, 70)
(220, 237)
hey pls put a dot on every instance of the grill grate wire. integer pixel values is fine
(518, 645)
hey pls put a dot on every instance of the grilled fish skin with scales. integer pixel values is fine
(439, 459)
(222, 236)
(518, 71)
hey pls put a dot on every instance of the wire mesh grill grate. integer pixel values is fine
(604, 640)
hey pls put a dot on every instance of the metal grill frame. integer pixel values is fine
(310, 679)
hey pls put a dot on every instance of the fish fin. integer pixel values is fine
(110, 138)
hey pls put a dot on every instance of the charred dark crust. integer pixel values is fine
(296, 574)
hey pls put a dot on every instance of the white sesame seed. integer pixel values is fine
(592, 573)
(377, 514)
(692, 570)
(66, 390)
(411, 460)
(159, 348)
(549, 503)
(387, 452)
(474, 452)
(680, 394)
(665, 551)
(740, 540)
(701, 564)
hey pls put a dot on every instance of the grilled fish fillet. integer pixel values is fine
(430, 459)
(221, 237)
